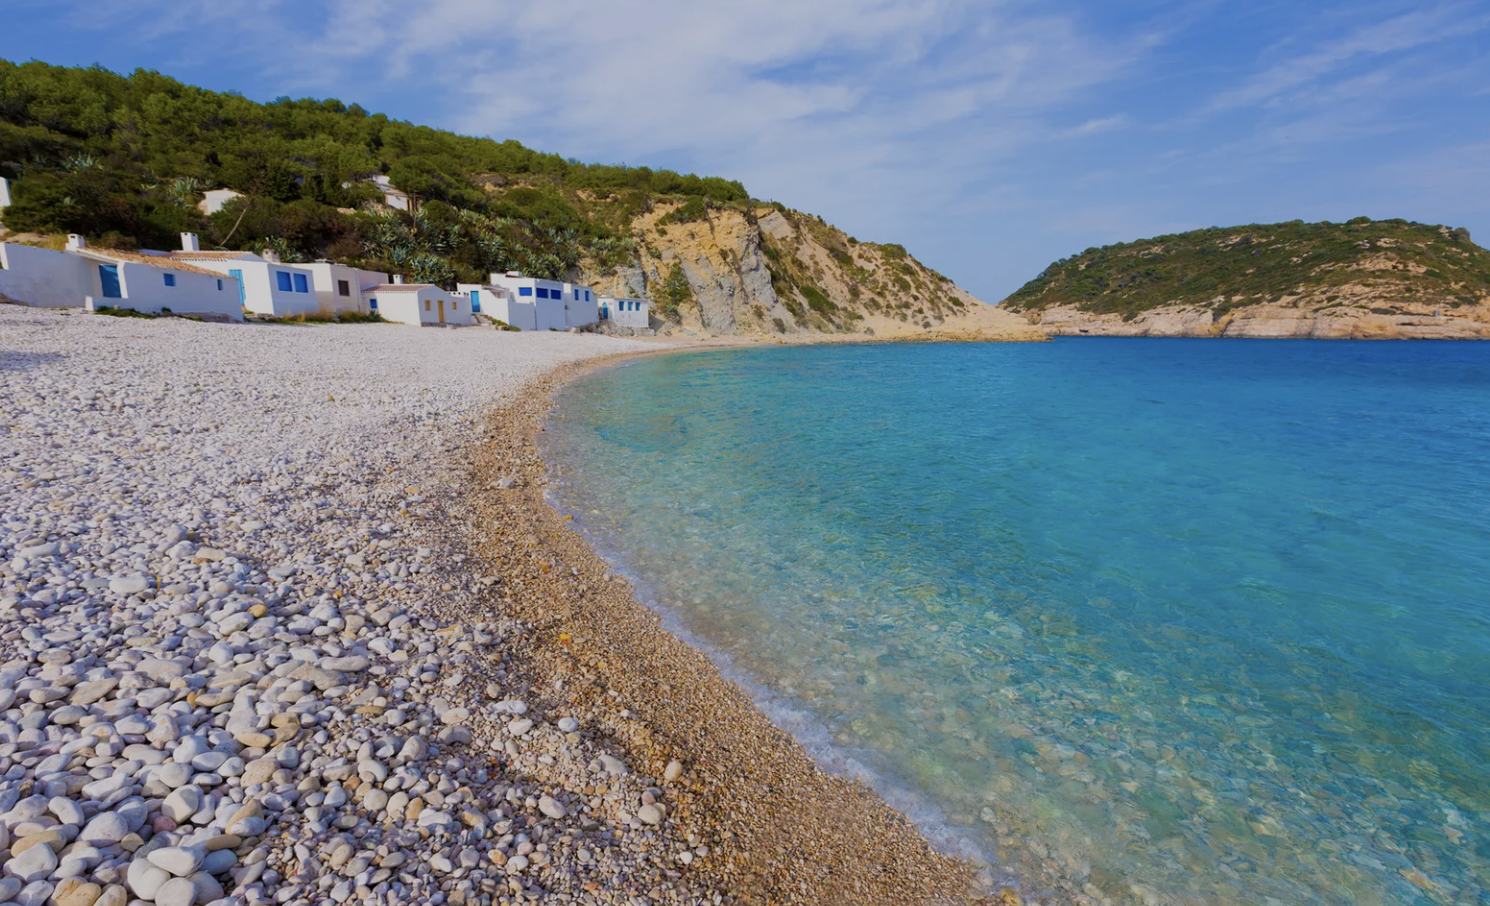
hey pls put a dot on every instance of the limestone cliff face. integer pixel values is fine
(768, 271)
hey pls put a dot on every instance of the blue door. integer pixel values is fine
(108, 278)
(475, 301)
(238, 275)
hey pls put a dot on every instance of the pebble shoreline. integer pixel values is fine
(253, 649)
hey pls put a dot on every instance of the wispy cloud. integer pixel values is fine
(1299, 73)
(990, 135)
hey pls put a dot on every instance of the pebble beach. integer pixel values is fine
(284, 619)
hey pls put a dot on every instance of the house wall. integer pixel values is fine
(370, 278)
(400, 307)
(407, 306)
(583, 305)
(497, 302)
(568, 304)
(145, 290)
(4, 196)
(213, 200)
(44, 278)
(522, 315)
(457, 308)
(261, 292)
(551, 314)
(581, 312)
(621, 314)
(328, 300)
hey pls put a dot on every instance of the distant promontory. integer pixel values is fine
(1364, 279)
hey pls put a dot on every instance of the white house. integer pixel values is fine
(266, 287)
(499, 303)
(559, 305)
(418, 303)
(214, 199)
(43, 277)
(155, 283)
(92, 278)
(394, 197)
(581, 305)
(4, 195)
(633, 313)
(339, 289)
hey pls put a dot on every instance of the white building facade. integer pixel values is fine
(633, 313)
(339, 289)
(96, 278)
(393, 196)
(558, 305)
(419, 304)
(4, 197)
(500, 304)
(44, 278)
(265, 287)
(214, 199)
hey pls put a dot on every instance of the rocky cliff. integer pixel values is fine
(1359, 280)
(766, 270)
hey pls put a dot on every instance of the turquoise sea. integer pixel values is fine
(1148, 621)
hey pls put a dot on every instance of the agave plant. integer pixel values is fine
(184, 190)
(427, 268)
(82, 162)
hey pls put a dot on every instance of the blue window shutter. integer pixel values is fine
(525, 290)
(301, 284)
(219, 284)
(283, 278)
(170, 279)
(108, 278)
(242, 293)
(372, 304)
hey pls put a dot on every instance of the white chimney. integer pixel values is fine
(190, 243)
(76, 242)
(271, 256)
(514, 273)
(398, 279)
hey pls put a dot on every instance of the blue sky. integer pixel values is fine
(988, 138)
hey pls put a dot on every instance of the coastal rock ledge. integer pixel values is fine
(1272, 322)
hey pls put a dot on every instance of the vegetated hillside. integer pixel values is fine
(126, 160)
(1360, 278)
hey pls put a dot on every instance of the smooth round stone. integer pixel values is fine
(105, 829)
(174, 775)
(67, 811)
(208, 762)
(145, 879)
(520, 726)
(650, 814)
(178, 860)
(568, 724)
(552, 807)
(177, 892)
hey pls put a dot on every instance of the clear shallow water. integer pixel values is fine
(1160, 621)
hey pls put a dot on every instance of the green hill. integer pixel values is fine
(1307, 265)
(125, 160)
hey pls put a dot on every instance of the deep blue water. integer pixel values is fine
(1163, 621)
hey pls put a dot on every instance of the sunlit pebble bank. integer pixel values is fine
(235, 664)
